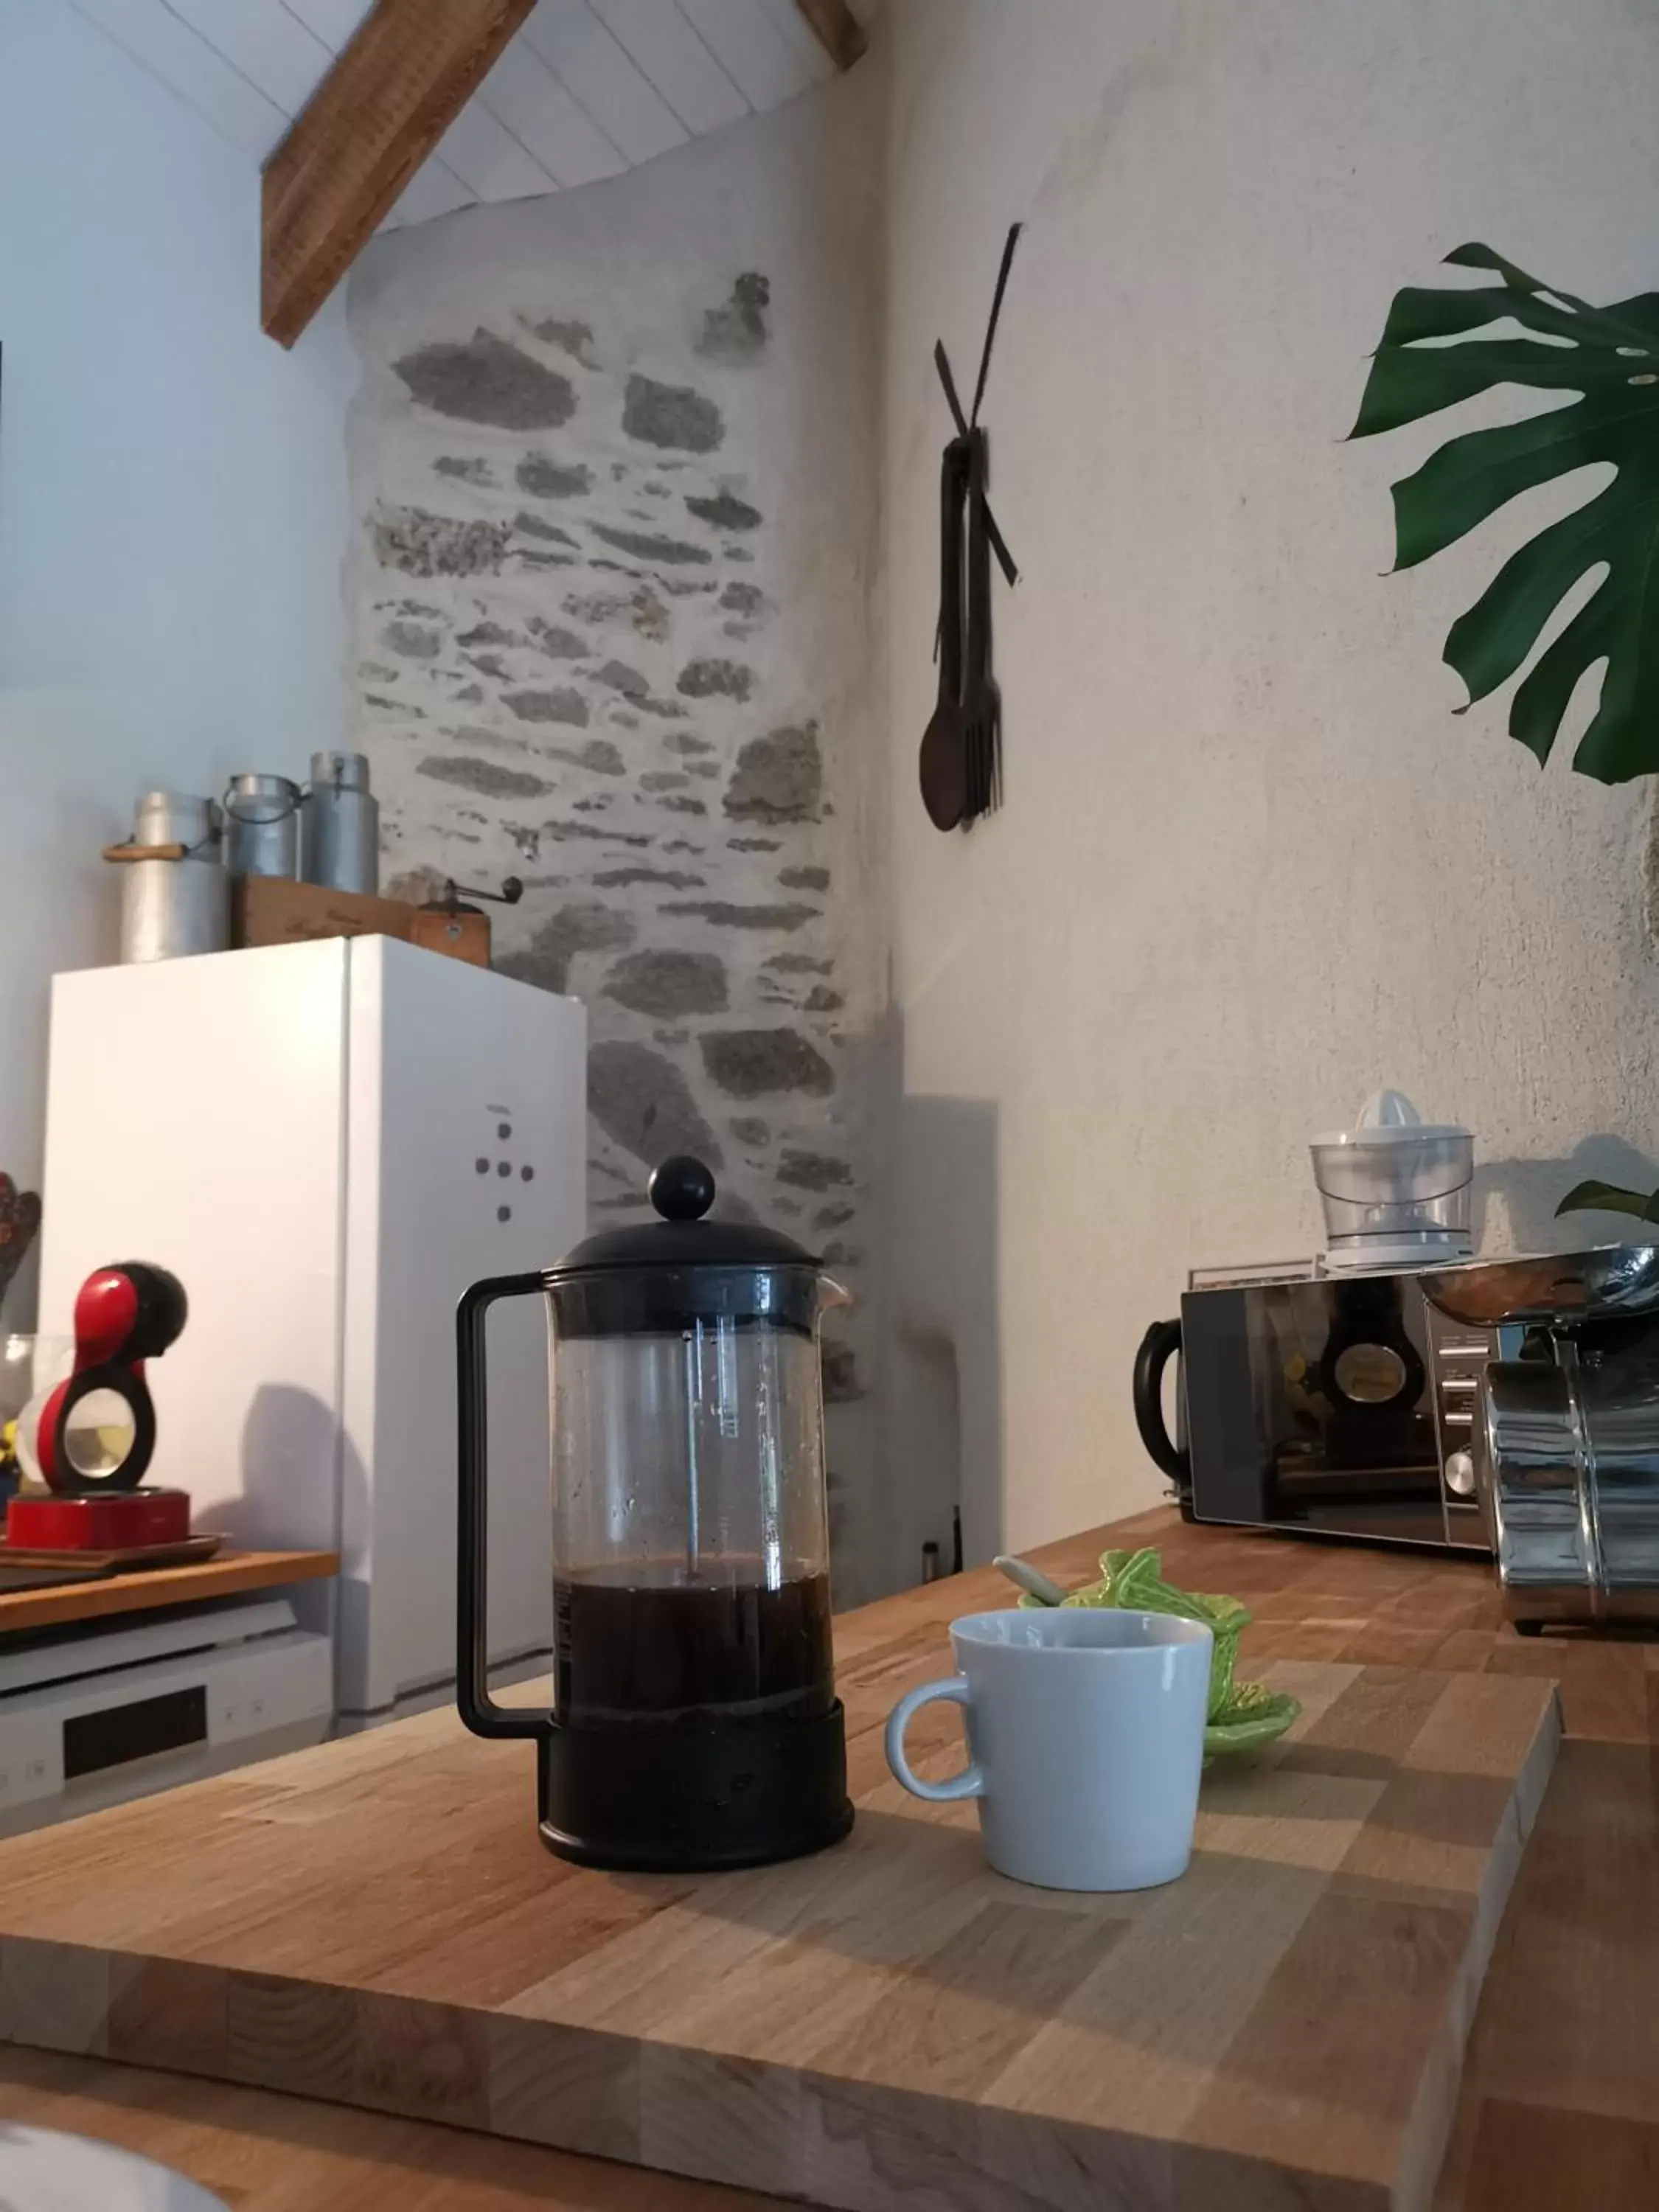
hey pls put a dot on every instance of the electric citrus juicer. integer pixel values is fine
(1395, 1190)
(693, 1722)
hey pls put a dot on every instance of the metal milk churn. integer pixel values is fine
(340, 840)
(262, 826)
(179, 902)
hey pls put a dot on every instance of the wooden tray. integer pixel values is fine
(276, 910)
(887, 2027)
(19, 1581)
(131, 1558)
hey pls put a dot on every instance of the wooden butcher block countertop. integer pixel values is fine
(375, 1922)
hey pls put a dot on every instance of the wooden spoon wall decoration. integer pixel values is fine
(960, 764)
(943, 750)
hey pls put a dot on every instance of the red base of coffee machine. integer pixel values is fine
(126, 1521)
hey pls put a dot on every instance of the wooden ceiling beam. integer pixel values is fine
(837, 28)
(411, 67)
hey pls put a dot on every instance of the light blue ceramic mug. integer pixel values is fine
(1086, 1739)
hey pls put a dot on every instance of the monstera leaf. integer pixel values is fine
(1609, 1198)
(1610, 357)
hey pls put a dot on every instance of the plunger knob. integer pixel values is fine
(682, 1189)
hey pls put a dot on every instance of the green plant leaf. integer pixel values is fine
(1610, 1198)
(1609, 357)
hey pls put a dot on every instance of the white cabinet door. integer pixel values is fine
(467, 1158)
(195, 1118)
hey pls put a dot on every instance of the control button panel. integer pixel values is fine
(498, 1163)
(1461, 1356)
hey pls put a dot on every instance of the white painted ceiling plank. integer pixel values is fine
(589, 87)
(658, 37)
(157, 39)
(264, 43)
(524, 94)
(749, 48)
(798, 33)
(432, 190)
(624, 103)
(489, 160)
(333, 21)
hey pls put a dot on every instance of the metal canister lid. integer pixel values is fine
(253, 790)
(175, 817)
(253, 797)
(342, 771)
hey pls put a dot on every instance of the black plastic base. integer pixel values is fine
(694, 1796)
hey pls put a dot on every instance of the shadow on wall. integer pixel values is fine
(944, 1381)
(286, 1494)
(291, 1448)
(1515, 1201)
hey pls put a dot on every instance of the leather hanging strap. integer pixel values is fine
(1011, 242)
(966, 423)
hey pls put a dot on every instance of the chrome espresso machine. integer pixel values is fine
(1509, 1406)
(1566, 1432)
(1395, 1392)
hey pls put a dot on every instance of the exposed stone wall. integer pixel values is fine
(614, 467)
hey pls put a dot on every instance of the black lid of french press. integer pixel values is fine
(682, 1269)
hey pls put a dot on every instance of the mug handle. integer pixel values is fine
(970, 1782)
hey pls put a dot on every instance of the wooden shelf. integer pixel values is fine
(229, 1575)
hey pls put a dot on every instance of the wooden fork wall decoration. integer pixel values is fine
(961, 766)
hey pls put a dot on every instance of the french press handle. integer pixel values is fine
(477, 1708)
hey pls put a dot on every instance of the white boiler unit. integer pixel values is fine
(326, 1143)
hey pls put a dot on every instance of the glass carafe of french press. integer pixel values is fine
(695, 1723)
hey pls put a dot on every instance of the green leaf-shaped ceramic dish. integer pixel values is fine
(1242, 1715)
(1254, 1716)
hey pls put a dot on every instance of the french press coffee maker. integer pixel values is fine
(695, 1723)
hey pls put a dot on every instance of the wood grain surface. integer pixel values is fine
(1556, 2111)
(838, 30)
(889, 2024)
(1316, 1600)
(264, 2153)
(228, 1574)
(403, 76)
(1560, 2105)
(282, 910)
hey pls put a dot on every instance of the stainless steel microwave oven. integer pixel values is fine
(1321, 1405)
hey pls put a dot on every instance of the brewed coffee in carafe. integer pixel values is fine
(659, 1645)
(693, 1719)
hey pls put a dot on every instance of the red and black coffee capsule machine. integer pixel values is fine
(93, 1436)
